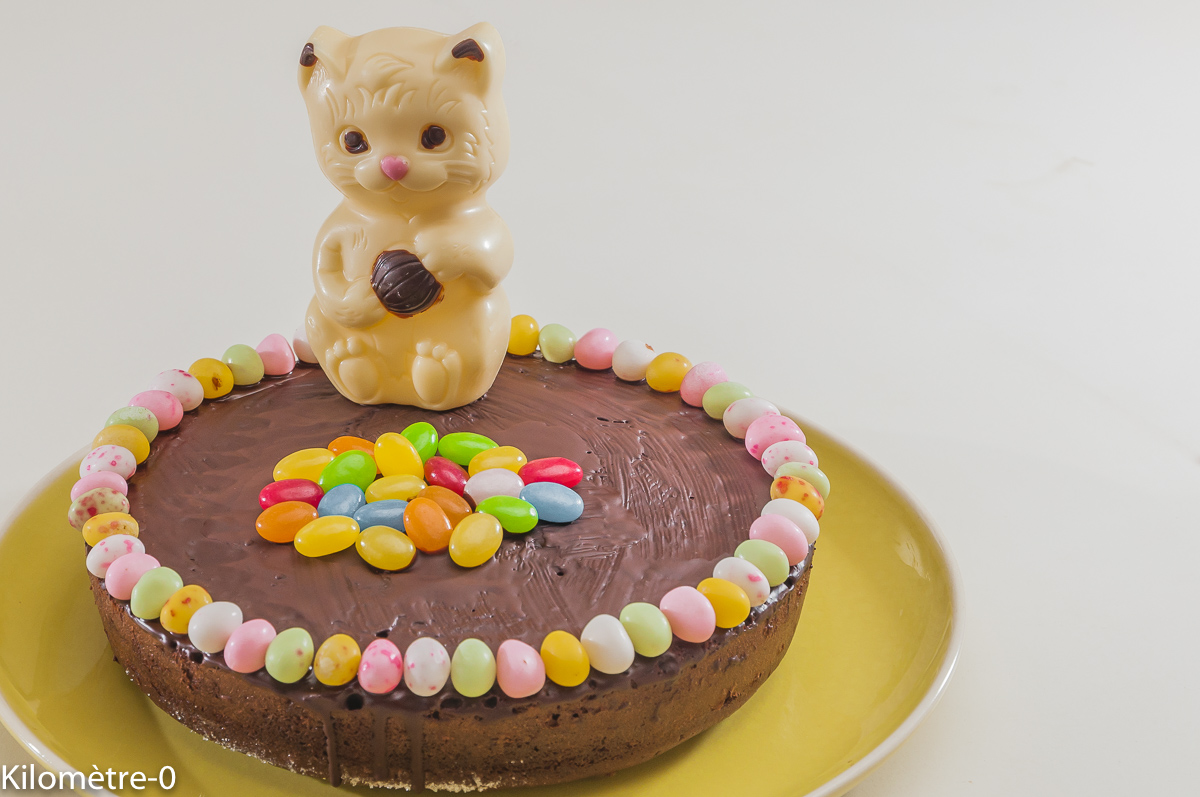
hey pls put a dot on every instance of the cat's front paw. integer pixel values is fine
(358, 308)
(436, 374)
(351, 366)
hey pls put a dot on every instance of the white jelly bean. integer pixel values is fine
(787, 451)
(796, 512)
(109, 550)
(182, 386)
(743, 412)
(745, 575)
(212, 625)
(426, 667)
(608, 646)
(117, 459)
(493, 482)
(304, 352)
(631, 359)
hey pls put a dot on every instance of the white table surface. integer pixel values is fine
(963, 236)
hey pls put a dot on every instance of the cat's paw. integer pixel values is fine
(436, 373)
(350, 364)
(358, 308)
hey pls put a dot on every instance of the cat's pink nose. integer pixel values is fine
(394, 168)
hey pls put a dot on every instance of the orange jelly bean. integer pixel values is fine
(349, 442)
(281, 522)
(427, 526)
(453, 504)
(800, 491)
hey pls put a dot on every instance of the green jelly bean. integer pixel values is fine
(515, 515)
(718, 397)
(472, 668)
(139, 418)
(246, 364)
(767, 557)
(810, 473)
(423, 437)
(557, 343)
(289, 655)
(348, 467)
(460, 447)
(648, 627)
(152, 592)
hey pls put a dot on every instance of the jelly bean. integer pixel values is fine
(108, 524)
(304, 490)
(523, 336)
(490, 483)
(740, 414)
(100, 501)
(283, 521)
(557, 343)
(401, 487)
(552, 469)
(340, 445)
(796, 512)
(397, 456)
(648, 628)
(594, 349)
(698, 380)
(101, 478)
(665, 372)
(427, 525)
(520, 671)
(182, 386)
(139, 418)
(345, 499)
(307, 463)
(472, 668)
(787, 451)
(453, 504)
(211, 626)
(785, 533)
(507, 457)
(388, 512)
(810, 473)
(515, 515)
(385, 548)
(214, 376)
(277, 356)
(729, 601)
(109, 550)
(553, 502)
(608, 646)
(461, 447)
(423, 437)
(152, 591)
(381, 667)
(127, 437)
(475, 540)
(631, 359)
(426, 666)
(747, 576)
(444, 473)
(304, 352)
(767, 557)
(692, 617)
(166, 408)
(566, 660)
(718, 398)
(326, 535)
(337, 660)
(350, 467)
(246, 649)
(289, 655)
(178, 610)
(118, 459)
(799, 490)
(769, 430)
(125, 572)
(245, 364)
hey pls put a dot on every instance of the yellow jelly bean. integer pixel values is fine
(396, 455)
(214, 375)
(401, 486)
(105, 525)
(385, 547)
(507, 457)
(178, 610)
(799, 490)
(475, 540)
(307, 463)
(125, 436)
(666, 372)
(728, 599)
(565, 659)
(336, 662)
(523, 335)
(326, 535)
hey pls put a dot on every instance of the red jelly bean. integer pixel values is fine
(290, 490)
(442, 472)
(552, 469)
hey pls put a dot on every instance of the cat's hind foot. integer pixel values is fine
(436, 374)
(350, 364)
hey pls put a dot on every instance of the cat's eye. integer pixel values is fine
(354, 142)
(432, 137)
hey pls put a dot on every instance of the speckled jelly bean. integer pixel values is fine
(108, 524)
(520, 671)
(796, 512)
(101, 478)
(282, 522)
(397, 456)
(401, 487)
(326, 535)
(300, 345)
(345, 499)
(388, 512)
(515, 515)
(350, 467)
(166, 408)
(740, 414)
(385, 548)
(289, 655)
(799, 490)
(444, 473)
(125, 572)
(747, 576)
(182, 386)
(490, 483)
(787, 451)
(507, 457)
(118, 459)
(769, 430)
(381, 667)
(648, 628)
(152, 591)
(348, 442)
(214, 376)
(566, 661)
(810, 473)
(98, 501)
(552, 469)
(277, 356)
(472, 668)
(698, 380)
(608, 646)
(336, 661)
(475, 540)
(246, 649)
(691, 616)
(453, 504)
(557, 343)
(718, 398)
(427, 525)
(426, 667)
(666, 371)
(461, 447)
(244, 363)
(729, 601)
(594, 349)
(553, 502)
(523, 335)
(307, 463)
(139, 418)
(177, 612)
(211, 626)
(423, 437)
(109, 550)
(125, 436)
(304, 490)
(631, 358)
(768, 557)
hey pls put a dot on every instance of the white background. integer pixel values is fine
(961, 235)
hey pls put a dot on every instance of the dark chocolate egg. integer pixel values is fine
(403, 285)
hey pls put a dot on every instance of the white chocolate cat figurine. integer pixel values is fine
(410, 126)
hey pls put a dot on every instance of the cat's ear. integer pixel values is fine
(327, 49)
(477, 54)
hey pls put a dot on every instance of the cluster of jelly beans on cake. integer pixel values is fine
(779, 540)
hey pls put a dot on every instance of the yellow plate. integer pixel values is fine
(875, 647)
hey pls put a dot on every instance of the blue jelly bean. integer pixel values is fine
(388, 512)
(345, 499)
(553, 502)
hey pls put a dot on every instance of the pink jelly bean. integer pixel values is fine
(520, 671)
(182, 386)
(290, 490)
(100, 478)
(246, 649)
(117, 459)
(166, 408)
(691, 615)
(300, 345)
(779, 454)
(381, 667)
(551, 469)
(594, 350)
(769, 430)
(699, 379)
(441, 472)
(277, 356)
(124, 573)
(784, 533)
